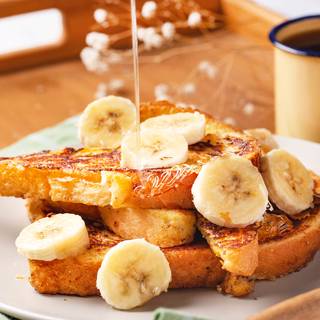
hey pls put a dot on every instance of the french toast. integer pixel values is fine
(237, 248)
(94, 176)
(162, 227)
(193, 265)
(158, 205)
(265, 250)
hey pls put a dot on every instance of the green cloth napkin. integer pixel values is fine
(168, 314)
(59, 136)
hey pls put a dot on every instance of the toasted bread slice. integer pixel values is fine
(38, 209)
(94, 176)
(162, 227)
(238, 248)
(193, 265)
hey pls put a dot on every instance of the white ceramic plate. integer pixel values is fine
(17, 297)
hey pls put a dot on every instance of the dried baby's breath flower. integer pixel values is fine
(188, 88)
(168, 30)
(159, 22)
(100, 15)
(194, 19)
(248, 108)
(154, 41)
(141, 33)
(97, 40)
(207, 68)
(161, 92)
(92, 60)
(148, 10)
(150, 38)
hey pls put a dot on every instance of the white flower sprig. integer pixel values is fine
(159, 23)
(93, 61)
(194, 19)
(168, 30)
(161, 92)
(98, 40)
(150, 38)
(166, 19)
(100, 15)
(148, 10)
(207, 68)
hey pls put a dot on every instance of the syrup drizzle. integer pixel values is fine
(136, 78)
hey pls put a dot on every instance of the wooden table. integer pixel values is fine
(34, 98)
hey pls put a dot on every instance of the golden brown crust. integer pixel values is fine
(75, 176)
(237, 248)
(38, 209)
(162, 227)
(192, 265)
(236, 286)
(292, 252)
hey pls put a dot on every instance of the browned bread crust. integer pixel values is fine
(281, 256)
(38, 209)
(192, 265)
(94, 176)
(238, 248)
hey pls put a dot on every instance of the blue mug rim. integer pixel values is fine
(273, 37)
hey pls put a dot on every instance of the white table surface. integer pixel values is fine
(292, 8)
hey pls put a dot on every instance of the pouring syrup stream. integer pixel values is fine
(135, 58)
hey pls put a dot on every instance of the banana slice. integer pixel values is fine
(105, 121)
(229, 191)
(289, 183)
(133, 272)
(158, 148)
(56, 237)
(190, 125)
(162, 227)
(264, 137)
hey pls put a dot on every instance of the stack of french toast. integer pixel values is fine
(225, 207)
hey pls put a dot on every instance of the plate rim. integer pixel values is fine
(24, 314)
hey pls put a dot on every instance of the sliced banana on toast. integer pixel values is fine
(132, 273)
(229, 191)
(264, 137)
(158, 148)
(55, 237)
(105, 121)
(162, 227)
(289, 183)
(190, 124)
